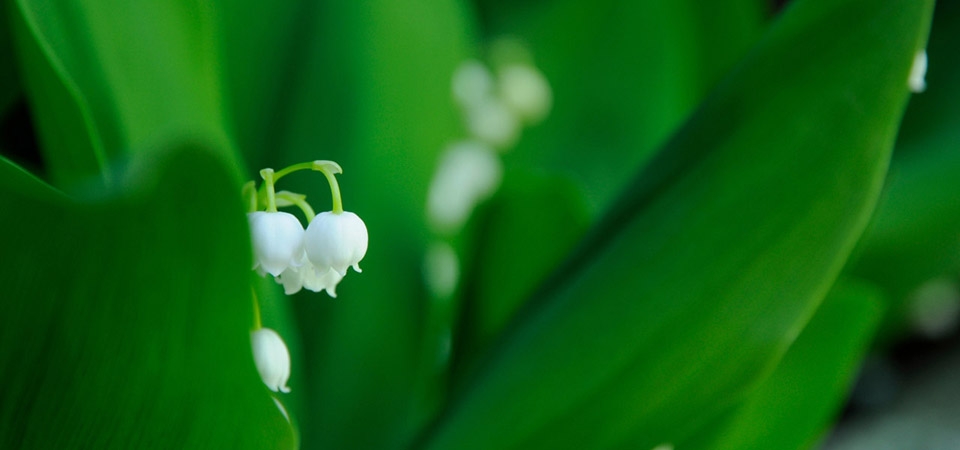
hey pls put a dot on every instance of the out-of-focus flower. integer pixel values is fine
(525, 91)
(272, 359)
(277, 241)
(472, 83)
(918, 72)
(468, 173)
(492, 122)
(336, 240)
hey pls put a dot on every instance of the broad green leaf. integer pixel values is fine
(126, 313)
(793, 407)
(106, 78)
(370, 89)
(693, 288)
(625, 76)
(531, 225)
(913, 236)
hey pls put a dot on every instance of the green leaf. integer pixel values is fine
(126, 313)
(913, 236)
(793, 407)
(625, 77)
(533, 222)
(693, 288)
(108, 78)
(9, 85)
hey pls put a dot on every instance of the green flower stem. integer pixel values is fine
(268, 180)
(256, 310)
(298, 200)
(329, 169)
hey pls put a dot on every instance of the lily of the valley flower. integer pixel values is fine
(277, 241)
(336, 240)
(272, 359)
(307, 276)
(316, 260)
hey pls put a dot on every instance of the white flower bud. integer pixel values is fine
(472, 83)
(918, 71)
(272, 359)
(277, 241)
(525, 91)
(335, 241)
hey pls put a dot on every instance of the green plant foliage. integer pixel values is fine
(155, 80)
(913, 236)
(790, 409)
(127, 315)
(626, 74)
(722, 248)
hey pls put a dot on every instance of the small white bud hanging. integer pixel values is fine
(272, 358)
(525, 91)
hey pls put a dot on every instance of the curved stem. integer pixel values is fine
(288, 170)
(268, 180)
(300, 201)
(329, 168)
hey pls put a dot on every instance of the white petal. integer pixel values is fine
(335, 241)
(277, 240)
(272, 359)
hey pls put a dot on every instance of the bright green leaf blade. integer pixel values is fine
(625, 76)
(126, 316)
(135, 77)
(793, 407)
(719, 253)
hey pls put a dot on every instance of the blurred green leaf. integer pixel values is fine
(625, 77)
(722, 248)
(533, 222)
(9, 85)
(107, 78)
(792, 408)
(126, 313)
(913, 236)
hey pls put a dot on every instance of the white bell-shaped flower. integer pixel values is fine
(277, 241)
(309, 277)
(337, 241)
(272, 359)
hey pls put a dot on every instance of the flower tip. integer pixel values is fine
(356, 268)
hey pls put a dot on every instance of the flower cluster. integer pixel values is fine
(315, 258)
(497, 101)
